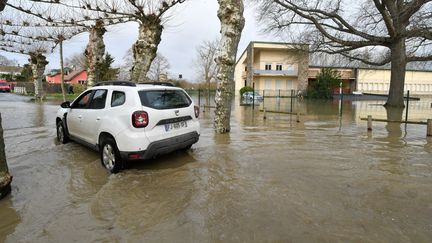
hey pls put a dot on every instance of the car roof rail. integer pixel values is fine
(119, 83)
(158, 83)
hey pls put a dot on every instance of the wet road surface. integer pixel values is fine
(325, 179)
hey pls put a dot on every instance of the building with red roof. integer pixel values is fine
(71, 77)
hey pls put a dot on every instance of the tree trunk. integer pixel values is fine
(145, 49)
(5, 178)
(38, 63)
(94, 52)
(397, 78)
(62, 72)
(230, 14)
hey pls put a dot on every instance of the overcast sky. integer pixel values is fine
(191, 24)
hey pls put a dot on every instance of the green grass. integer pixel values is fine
(59, 96)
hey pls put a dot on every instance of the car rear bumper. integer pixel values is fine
(164, 146)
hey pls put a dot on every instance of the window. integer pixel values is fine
(279, 67)
(118, 98)
(245, 84)
(289, 85)
(278, 84)
(268, 84)
(81, 81)
(82, 101)
(245, 68)
(290, 68)
(164, 99)
(268, 67)
(98, 100)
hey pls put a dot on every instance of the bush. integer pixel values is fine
(246, 89)
(326, 81)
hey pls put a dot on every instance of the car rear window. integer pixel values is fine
(164, 99)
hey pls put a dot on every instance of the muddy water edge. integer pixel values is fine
(323, 179)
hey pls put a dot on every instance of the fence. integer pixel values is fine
(28, 88)
(281, 93)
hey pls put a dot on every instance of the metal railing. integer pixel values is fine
(276, 72)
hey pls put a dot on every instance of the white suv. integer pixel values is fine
(128, 121)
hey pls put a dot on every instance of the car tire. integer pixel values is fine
(62, 137)
(110, 156)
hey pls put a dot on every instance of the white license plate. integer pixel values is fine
(177, 125)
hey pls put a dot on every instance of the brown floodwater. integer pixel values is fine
(325, 179)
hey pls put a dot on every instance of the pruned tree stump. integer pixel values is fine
(5, 185)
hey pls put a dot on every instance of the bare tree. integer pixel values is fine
(125, 68)
(4, 61)
(95, 51)
(205, 64)
(26, 25)
(160, 65)
(374, 32)
(77, 60)
(2, 4)
(76, 16)
(38, 64)
(150, 19)
(149, 14)
(5, 177)
(230, 14)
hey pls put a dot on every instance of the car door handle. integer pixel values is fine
(79, 117)
(97, 118)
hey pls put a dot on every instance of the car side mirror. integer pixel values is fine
(65, 104)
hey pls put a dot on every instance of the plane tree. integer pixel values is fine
(232, 21)
(375, 32)
(71, 17)
(205, 65)
(36, 42)
(151, 15)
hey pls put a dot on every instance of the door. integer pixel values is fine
(76, 113)
(93, 115)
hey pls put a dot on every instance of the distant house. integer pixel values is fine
(273, 66)
(71, 77)
(13, 70)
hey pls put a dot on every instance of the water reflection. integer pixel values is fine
(322, 179)
(9, 218)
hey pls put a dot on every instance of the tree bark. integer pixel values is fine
(230, 14)
(95, 52)
(38, 63)
(5, 177)
(397, 79)
(62, 71)
(145, 49)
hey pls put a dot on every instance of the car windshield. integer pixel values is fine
(164, 99)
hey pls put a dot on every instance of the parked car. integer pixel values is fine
(251, 95)
(4, 87)
(126, 121)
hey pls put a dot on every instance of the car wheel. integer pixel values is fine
(61, 133)
(110, 156)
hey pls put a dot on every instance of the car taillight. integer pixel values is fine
(140, 119)
(196, 108)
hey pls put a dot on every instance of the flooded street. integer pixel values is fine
(325, 179)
